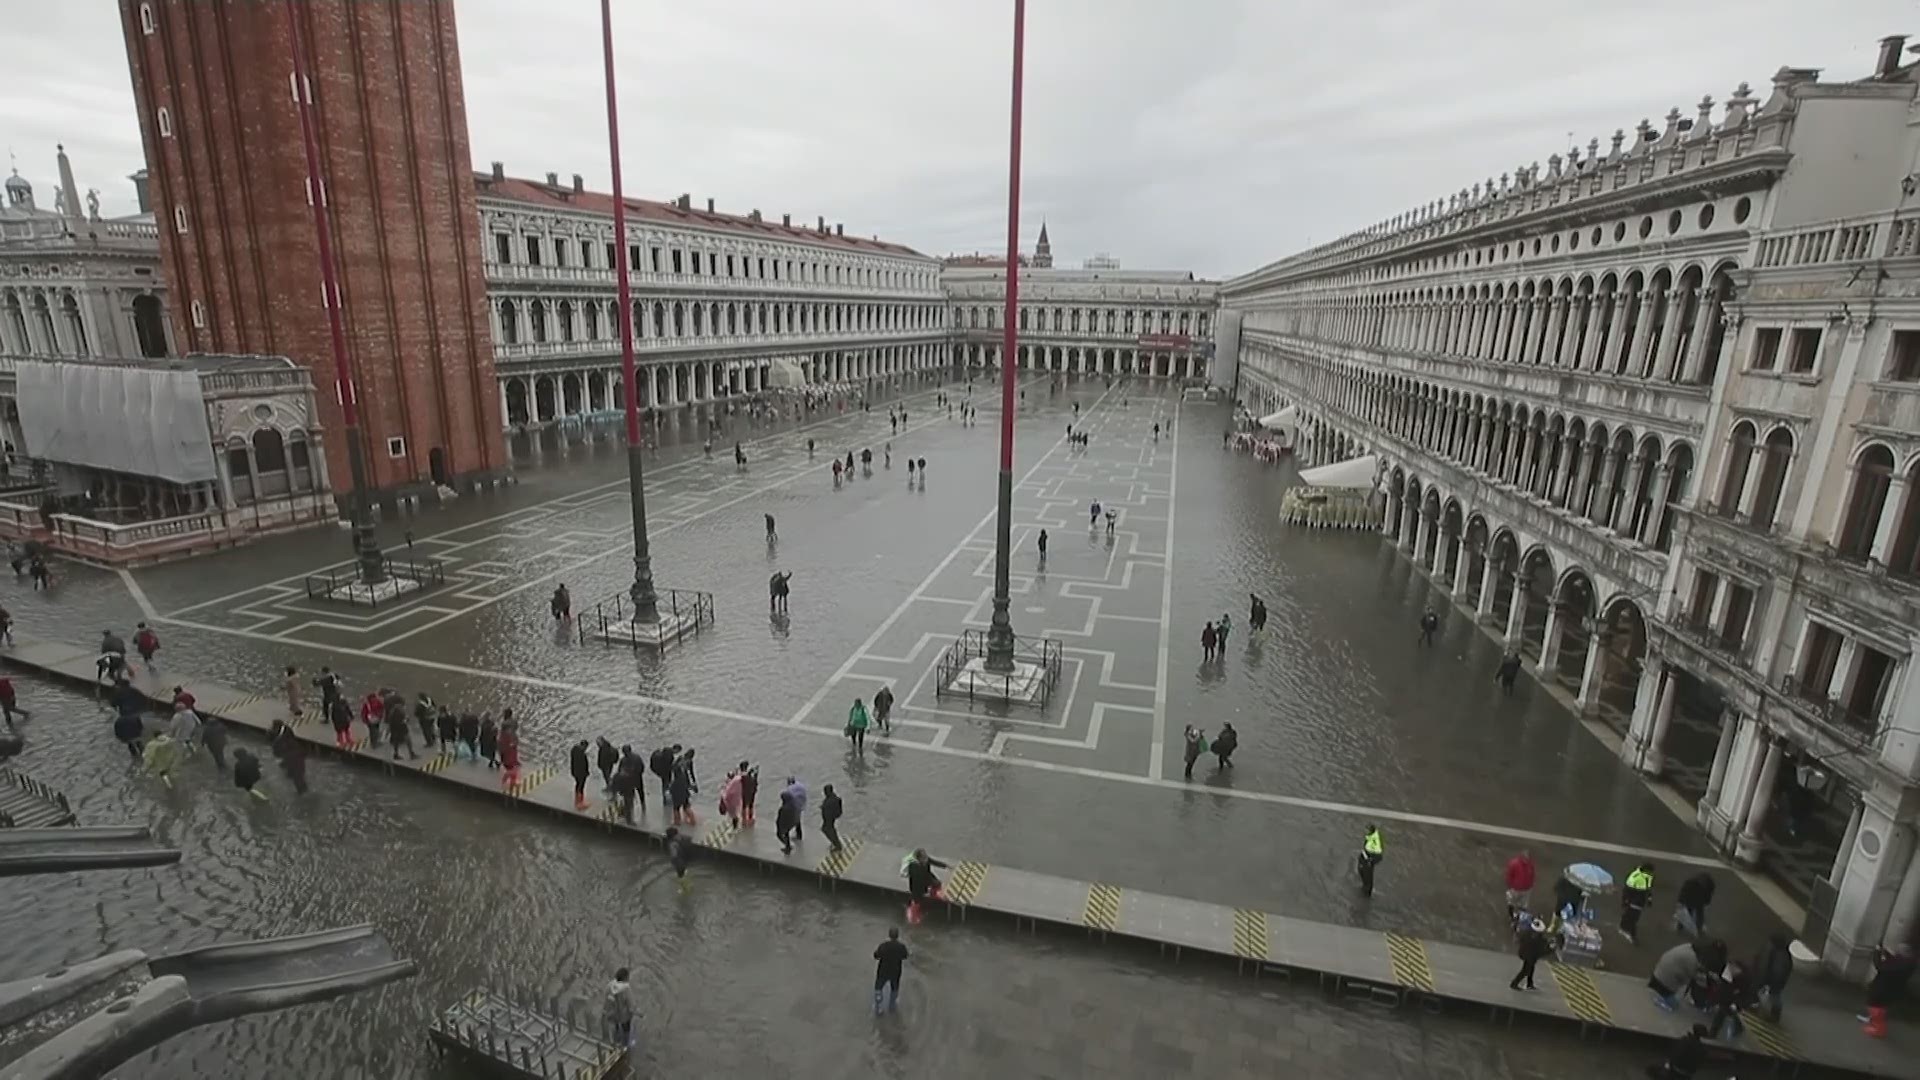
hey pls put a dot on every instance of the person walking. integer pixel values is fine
(1533, 946)
(857, 722)
(146, 643)
(490, 741)
(1690, 911)
(292, 687)
(1520, 875)
(771, 535)
(9, 702)
(246, 774)
(730, 797)
(470, 728)
(1041, 542)
(922, 883)
(1771, 971)
(399, 732)
(625, 788)
(130, 729)
(749, 791)
(799, 792)
(1429, 623)
(373, 709)
(448, 728)
(341, 717)
(293, 756)
(423, 718)
(1224, 745)
(679, 856)
(883, 709)
(830, 810)
(1209, 641)
(1372, 849)
(1225, 627)
(660, 763)
(509, 749)
(616, 1010)
(682, 789)
(607, 758)
(185, 727)
(785, 820)
(213, 736)
(1635, 897)
(581, 765)
(1508, 671)
(1196, 744)
(890, 960)
(1892, 971)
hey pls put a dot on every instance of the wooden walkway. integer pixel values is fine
(1390, 968)
(26, 803)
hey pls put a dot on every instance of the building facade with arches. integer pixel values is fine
(1651, 415)
(1093, 322)
(724, 305)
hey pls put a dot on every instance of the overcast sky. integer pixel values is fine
(1210, 135)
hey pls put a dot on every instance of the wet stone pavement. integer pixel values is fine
(744, 975)
(1343, 717)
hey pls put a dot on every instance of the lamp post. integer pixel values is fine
(372, 566)
(646, 602)
(1000, 629)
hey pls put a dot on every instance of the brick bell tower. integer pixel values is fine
(213, 84)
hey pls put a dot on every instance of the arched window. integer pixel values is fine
(240, 470)
(509, 322)
(149, 326)
(1739, 461)
(164, 121)
(270, 463)
(1775, 455)
(76, 326)
(593, 318)
(537, 321)
(299, 462)
(566, 320)
(1866, 502)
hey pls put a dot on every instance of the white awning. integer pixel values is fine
(1280, 421)
(1354, 473)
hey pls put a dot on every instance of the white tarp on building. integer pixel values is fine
(134, 420)
(783, 374)
(1353, 473)
(1280, 421)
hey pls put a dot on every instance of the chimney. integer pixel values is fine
(499, 171)
(787, 220)
(709, 204)
(1891, 47)
(839, 229)
(140, 195)
(553, 179)
(579, 182)
(822, 225)
(684, 202)
(754, 214)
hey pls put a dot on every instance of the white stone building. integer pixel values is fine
(723, 304)
(1652, 414)
(1108, 322)
(73, 284)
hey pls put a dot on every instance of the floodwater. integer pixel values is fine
(744, 972)
(1340, 710)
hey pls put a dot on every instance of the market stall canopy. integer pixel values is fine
(1355, 473)
(1280, 421)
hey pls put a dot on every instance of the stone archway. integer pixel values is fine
(1570, 634)
(1535, 585)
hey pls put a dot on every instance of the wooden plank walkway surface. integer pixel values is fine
(1391, 968)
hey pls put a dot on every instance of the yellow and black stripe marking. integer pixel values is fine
(964, 883)
(720, 834)
(226, 708)
(530, 780)
(1583, 997)
(836, 862)
(1103, 907)
(1409, 958)
(609, 811)
(1770, 1037)
(1250, 934)
(437, 763)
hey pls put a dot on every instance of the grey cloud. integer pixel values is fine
(1212, 135)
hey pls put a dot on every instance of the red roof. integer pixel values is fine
(597, 202)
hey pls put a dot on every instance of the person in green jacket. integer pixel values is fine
(857, 722)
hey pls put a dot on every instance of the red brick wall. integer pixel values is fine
(391, 122)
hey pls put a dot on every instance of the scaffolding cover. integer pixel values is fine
(133, 420)
(1354, 473)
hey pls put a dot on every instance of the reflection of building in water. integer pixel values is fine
(136, 461)
(75, 284)
(1652, 414)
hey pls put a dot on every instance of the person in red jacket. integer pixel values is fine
(1519, 884)
(509, 748)
(373, 710)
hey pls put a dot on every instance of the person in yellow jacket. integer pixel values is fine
(1634, 898)
(1372, 850)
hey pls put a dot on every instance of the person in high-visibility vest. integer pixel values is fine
(1637, 894)
(1372, 850)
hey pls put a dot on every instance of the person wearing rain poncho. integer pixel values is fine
(160, 757)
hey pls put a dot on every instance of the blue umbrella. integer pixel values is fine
(1590, 877)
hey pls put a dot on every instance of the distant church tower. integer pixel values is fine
(1043, 251)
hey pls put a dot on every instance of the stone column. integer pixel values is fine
(1485, 607)
(1593, 675)
(1642, 334)
(1654, 759)
(1906, 906)
(1550, 640)
(1875, 882)
(1847, 840)
(1556, 322)
(1502, 329)
(1516, 611)
(1535, 347)
(1616, 327)
(1747, 850)
(1691, 363)
(1717, 774)
(1650, 528)
(1670, 335)
(1623, 512)
(1583, 489)
(1410, 534)
(1590, 341)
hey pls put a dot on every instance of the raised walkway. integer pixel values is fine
(1389, 968)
